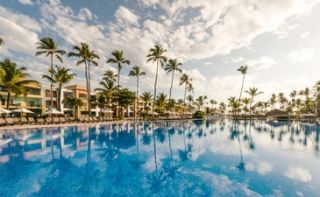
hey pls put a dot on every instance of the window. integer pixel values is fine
(47, 93)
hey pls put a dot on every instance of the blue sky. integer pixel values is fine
(278, 40)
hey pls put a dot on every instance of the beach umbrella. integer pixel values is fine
(23, 110)
(53, 111)
(4, 111)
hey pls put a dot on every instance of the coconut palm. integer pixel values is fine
(108, 89)
(282, 100)
(75, 103)
(119, 59)
(137, 72)
(60, 75)
(86, 57)
(48, 47)
(273, 100)
(13, 79)
(235, 105)
(146, 98)
(172, 67)
(212, 102)
(200, 101)
(161, 101)
(243, 70)
(110, 75)
(185, 80)
(253, 92)
(246, 101)
(156, 54)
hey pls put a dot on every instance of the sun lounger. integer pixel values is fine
(31, 120)
(40, 121)
(56, 120)
(9, 121)
(87, 119)
(2, 122)
(95, 119)
(23, 120)
(49, 120)
(62, 120)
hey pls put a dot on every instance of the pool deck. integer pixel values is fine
(33, 126)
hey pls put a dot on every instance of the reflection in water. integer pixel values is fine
(191, 158)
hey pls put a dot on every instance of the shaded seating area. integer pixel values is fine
(278, 115)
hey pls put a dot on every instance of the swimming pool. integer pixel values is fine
(178, 158)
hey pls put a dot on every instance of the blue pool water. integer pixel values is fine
(180, 158)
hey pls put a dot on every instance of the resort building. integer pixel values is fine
(32, 100)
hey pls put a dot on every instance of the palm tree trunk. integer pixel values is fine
(185, 94)
(8, 99)
(241, 87)
(136, 110)
(51, 89)
(87, 79)
(155, 87)
(89, 89)
(59, 98)
(119, 75)
(170, 103)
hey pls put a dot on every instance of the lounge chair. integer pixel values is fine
(87, 119)
(2, 122)
(82, 119)
(62, 120)
(91, 119)
(48, 120)
(56, 120)
(40, 121)
(31, 120)
(23, 120)
(95, 119)
(9, 121)
(16, 120)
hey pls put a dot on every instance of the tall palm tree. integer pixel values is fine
(246, 101)
(13, 79)
(75, 103)
(156, 54)
(185, 80)
(48, 47)
(60, 75)
(108, 89)
(86, 57)
(161, 101)
(172, 67)
(200, 101)
(110, 75)
(273, 100)
(212, 102)
(146, 98)
(136, 72)
(253, 92)
(235, 105)
(243, 70)
(119, 59)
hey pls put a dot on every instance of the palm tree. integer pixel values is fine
(282, 100)
(161, 101)
(86, 57)
(108, 89)
(146, 98)
(13, 78)
(235, 105)
(184, 79)
(212, 102)
(246, 101)
(61, 76)
(110, 75)
(75, 103)
(156, 54)
(253, 92)
(48, 47)
(172, 67)
(200, 101)
(273, 100)
(136, 72)
(243, 70)
(119, 59)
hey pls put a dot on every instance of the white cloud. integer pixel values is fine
(26, 2)
(261, 63)
(125, 16)
(299, 174)
(301, 55)
(86, 14)
(305, 35)
(20, 32)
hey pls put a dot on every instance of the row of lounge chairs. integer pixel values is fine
(49, 120)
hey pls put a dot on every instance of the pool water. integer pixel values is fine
(179, 158)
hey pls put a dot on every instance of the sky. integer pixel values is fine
(279, 40)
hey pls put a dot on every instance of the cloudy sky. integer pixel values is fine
(278, 39)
